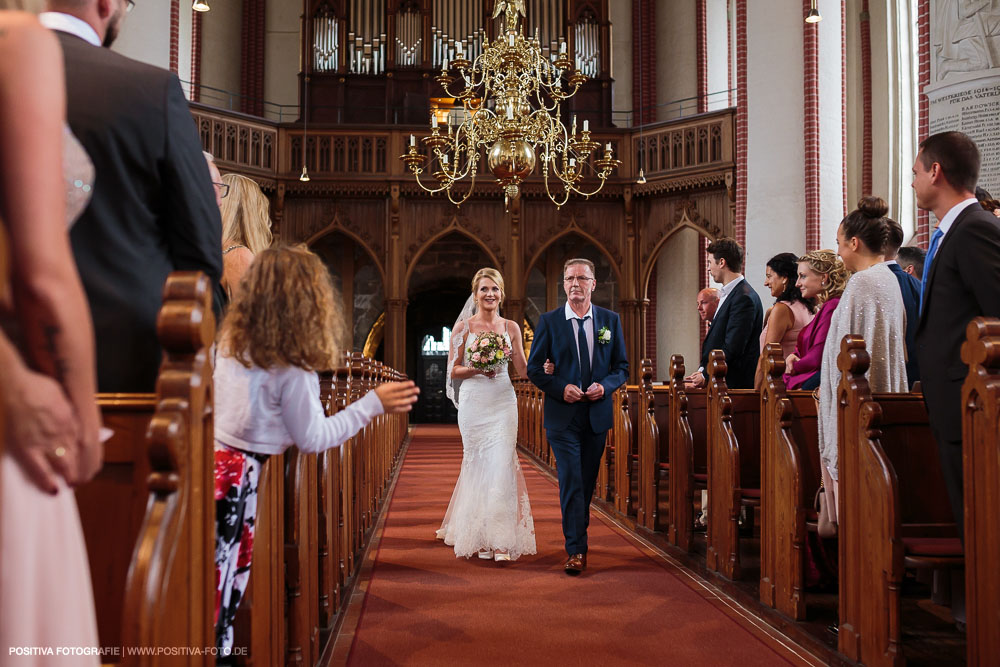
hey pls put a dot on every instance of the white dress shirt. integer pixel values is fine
(71, 24)
(588, 330)
(267, 410)
(727, 289)
(949, 218)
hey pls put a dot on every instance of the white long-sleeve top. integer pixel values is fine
(267, 410)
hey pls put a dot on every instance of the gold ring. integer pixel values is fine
(59, 451)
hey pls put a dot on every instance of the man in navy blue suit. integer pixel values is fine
(586, 344)
(738, 319)
(909, 287)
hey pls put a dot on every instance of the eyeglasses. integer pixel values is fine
(577, 279)
(129, 5)
(223, 189)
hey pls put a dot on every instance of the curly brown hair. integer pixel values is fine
(828, 263)
(286, 313)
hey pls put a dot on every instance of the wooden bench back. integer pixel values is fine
(891, 487)
(625, 434)
(654, 447)
(733, 444)
(148, 516)
(981, 460)
(790, 476)
(688, 455)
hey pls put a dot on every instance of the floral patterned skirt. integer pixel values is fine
(237, 474)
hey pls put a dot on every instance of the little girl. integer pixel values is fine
(278, 332)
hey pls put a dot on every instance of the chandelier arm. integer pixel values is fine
(433, 191)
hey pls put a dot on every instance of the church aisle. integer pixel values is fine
(424, 606)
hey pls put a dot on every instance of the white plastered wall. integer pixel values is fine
(621, 61)
(676, 57)
(220, 55)
(281, 48)
(677, 322)
(775, 146)
(831, 155)
(717, 52)
(145, 34)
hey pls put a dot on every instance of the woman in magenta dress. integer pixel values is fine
(822, 277)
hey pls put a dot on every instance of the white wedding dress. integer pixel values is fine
(489, 508)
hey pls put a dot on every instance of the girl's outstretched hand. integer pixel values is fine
(397, 396)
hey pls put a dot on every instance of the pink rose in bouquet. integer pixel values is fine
(490, 351)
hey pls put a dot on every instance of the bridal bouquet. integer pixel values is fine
(489, 351)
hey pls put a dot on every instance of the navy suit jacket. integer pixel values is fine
(736, 331)
(909, 287)
(555, 340)
(963, 283)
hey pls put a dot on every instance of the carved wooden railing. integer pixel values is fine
(686, 148)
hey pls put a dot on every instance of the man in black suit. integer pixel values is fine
(153, 210)
(738, 319)
(961, 281)
(909, 288)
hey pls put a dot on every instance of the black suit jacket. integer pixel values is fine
(909, 287)
(153, 209)
(963, 283)
(736, 331)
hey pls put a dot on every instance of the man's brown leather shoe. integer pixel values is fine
(576, 564)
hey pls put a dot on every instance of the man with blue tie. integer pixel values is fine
(586, 344)
(961, 281)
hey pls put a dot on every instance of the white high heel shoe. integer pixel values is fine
(501, 556)
(486, 554)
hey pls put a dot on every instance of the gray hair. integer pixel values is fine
(580, 260)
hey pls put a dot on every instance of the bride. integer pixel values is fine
(489, 513)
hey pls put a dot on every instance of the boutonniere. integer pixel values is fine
(604, 335)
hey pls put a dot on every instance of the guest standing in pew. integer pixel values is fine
(50, 436)
(909, 289)
(708, 303)
(790, 313)
(246, 228)
(738, 319)
(872, 308)
(822, 278)
(153, 210)
(278, 331)
(911, 260)
(961, 281)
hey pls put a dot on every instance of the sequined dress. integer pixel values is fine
(46, 599)
(489, 508)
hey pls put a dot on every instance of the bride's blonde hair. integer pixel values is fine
(493, 275)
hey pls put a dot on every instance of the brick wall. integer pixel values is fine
(196, 56)
(252, 62)
(702, 42)
(740, 227)
(810, 93)
(923, 78)
(866, 101)
(644, 42)
(175, 30)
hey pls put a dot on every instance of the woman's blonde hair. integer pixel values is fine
(246, 218)
(286, 313)
(493, 275)
(828, 263)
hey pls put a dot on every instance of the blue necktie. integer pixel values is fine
(935, 241)
(581, 337)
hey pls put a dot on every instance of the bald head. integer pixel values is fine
(104, 16)
(708, 301)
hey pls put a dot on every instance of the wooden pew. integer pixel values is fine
(148, 516)
(624, 435)
(894, 510)
(790, 477)
(654, 450)
(981, 463)
(688, 455)
(733, 440)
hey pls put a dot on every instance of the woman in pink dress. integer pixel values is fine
(50, 435)
(823, 277)
(790, 312)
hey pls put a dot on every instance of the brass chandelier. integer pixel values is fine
(511, 100)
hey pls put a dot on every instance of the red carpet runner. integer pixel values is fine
(424, 606)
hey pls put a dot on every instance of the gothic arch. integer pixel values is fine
(336, 227)
(647, 270)
(452, 227)
(571, 229)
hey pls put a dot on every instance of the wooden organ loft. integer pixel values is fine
(374, 61)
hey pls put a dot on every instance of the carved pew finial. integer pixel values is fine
(853, 359)
(981, 347)
(677, 370)
(717, 369)
(774, 361)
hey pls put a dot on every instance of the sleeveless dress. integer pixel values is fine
(46, 598)
(489, 508)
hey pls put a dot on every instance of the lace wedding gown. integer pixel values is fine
(489, 508)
